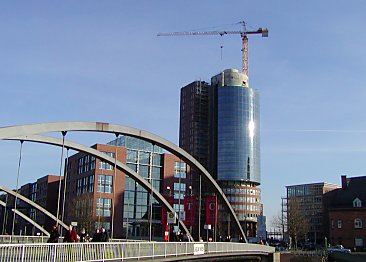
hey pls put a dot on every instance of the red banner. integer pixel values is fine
(211, 210)
(190, 210)
(164, 210)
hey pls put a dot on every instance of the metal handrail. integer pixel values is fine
(57, 252)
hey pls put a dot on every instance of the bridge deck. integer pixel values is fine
(112, 251)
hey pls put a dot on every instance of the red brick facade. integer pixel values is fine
(346, 213)
(345, 229)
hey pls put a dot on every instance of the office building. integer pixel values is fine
(43, 192)
(308, 200)
(94, 191)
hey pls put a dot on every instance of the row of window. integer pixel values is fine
(248, 207)
(243, 199)
(241, 216)
(357, 223)
(83, 207)
(241, 191)
(305, 190)
(144, 170)
(86, 163)
(85, 185)
(142, 157)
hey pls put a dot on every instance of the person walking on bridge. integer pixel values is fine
(70, 235)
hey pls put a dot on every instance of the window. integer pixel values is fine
(131, 156)
(339, 223)
(103, 207)
(91, 184)
(358, 223)
(106, 225)
(155, 172)
(143, 171)
(92, 162)
(144, 157)
(182, 187)
(178, 207)
(105, 183)
(104, 165)
(359, 242)
(176, 195)
(156, 159)
(180, 169)
(357, 202)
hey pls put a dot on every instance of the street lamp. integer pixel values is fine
(246, 208)
(190, 190)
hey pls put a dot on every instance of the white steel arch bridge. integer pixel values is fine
(31, 133)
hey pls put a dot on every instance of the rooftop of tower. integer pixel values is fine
(230, 77)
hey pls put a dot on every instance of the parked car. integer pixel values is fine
(339, 249)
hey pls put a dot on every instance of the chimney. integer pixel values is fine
(344, 181)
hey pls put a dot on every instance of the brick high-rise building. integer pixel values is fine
(194, 120)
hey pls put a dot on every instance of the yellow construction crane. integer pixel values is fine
(243, 33)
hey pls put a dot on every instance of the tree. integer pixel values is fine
(297, 224)
(82, 212)
(279, 222)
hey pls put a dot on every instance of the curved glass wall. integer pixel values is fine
(238, 156)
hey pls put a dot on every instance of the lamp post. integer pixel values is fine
(199, 208)
(179, 191)
(169, 194)
(246, 208)
(170, 191)
(190, 193)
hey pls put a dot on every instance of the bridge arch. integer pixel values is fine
(21, 130)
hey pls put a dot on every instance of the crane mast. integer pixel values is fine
(243, 33)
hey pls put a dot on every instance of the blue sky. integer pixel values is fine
(102, 61)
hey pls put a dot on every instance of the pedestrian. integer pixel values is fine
(104, 235)
(84, 237)
(54, 235)
(70, 235)
(96, 236)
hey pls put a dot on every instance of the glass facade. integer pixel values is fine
(135, 143)
(238, 156)
(137, 200)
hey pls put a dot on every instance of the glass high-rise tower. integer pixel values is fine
(237, 128)
(231, 121)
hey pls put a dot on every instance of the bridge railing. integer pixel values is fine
(120, 251)
(7, 239)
